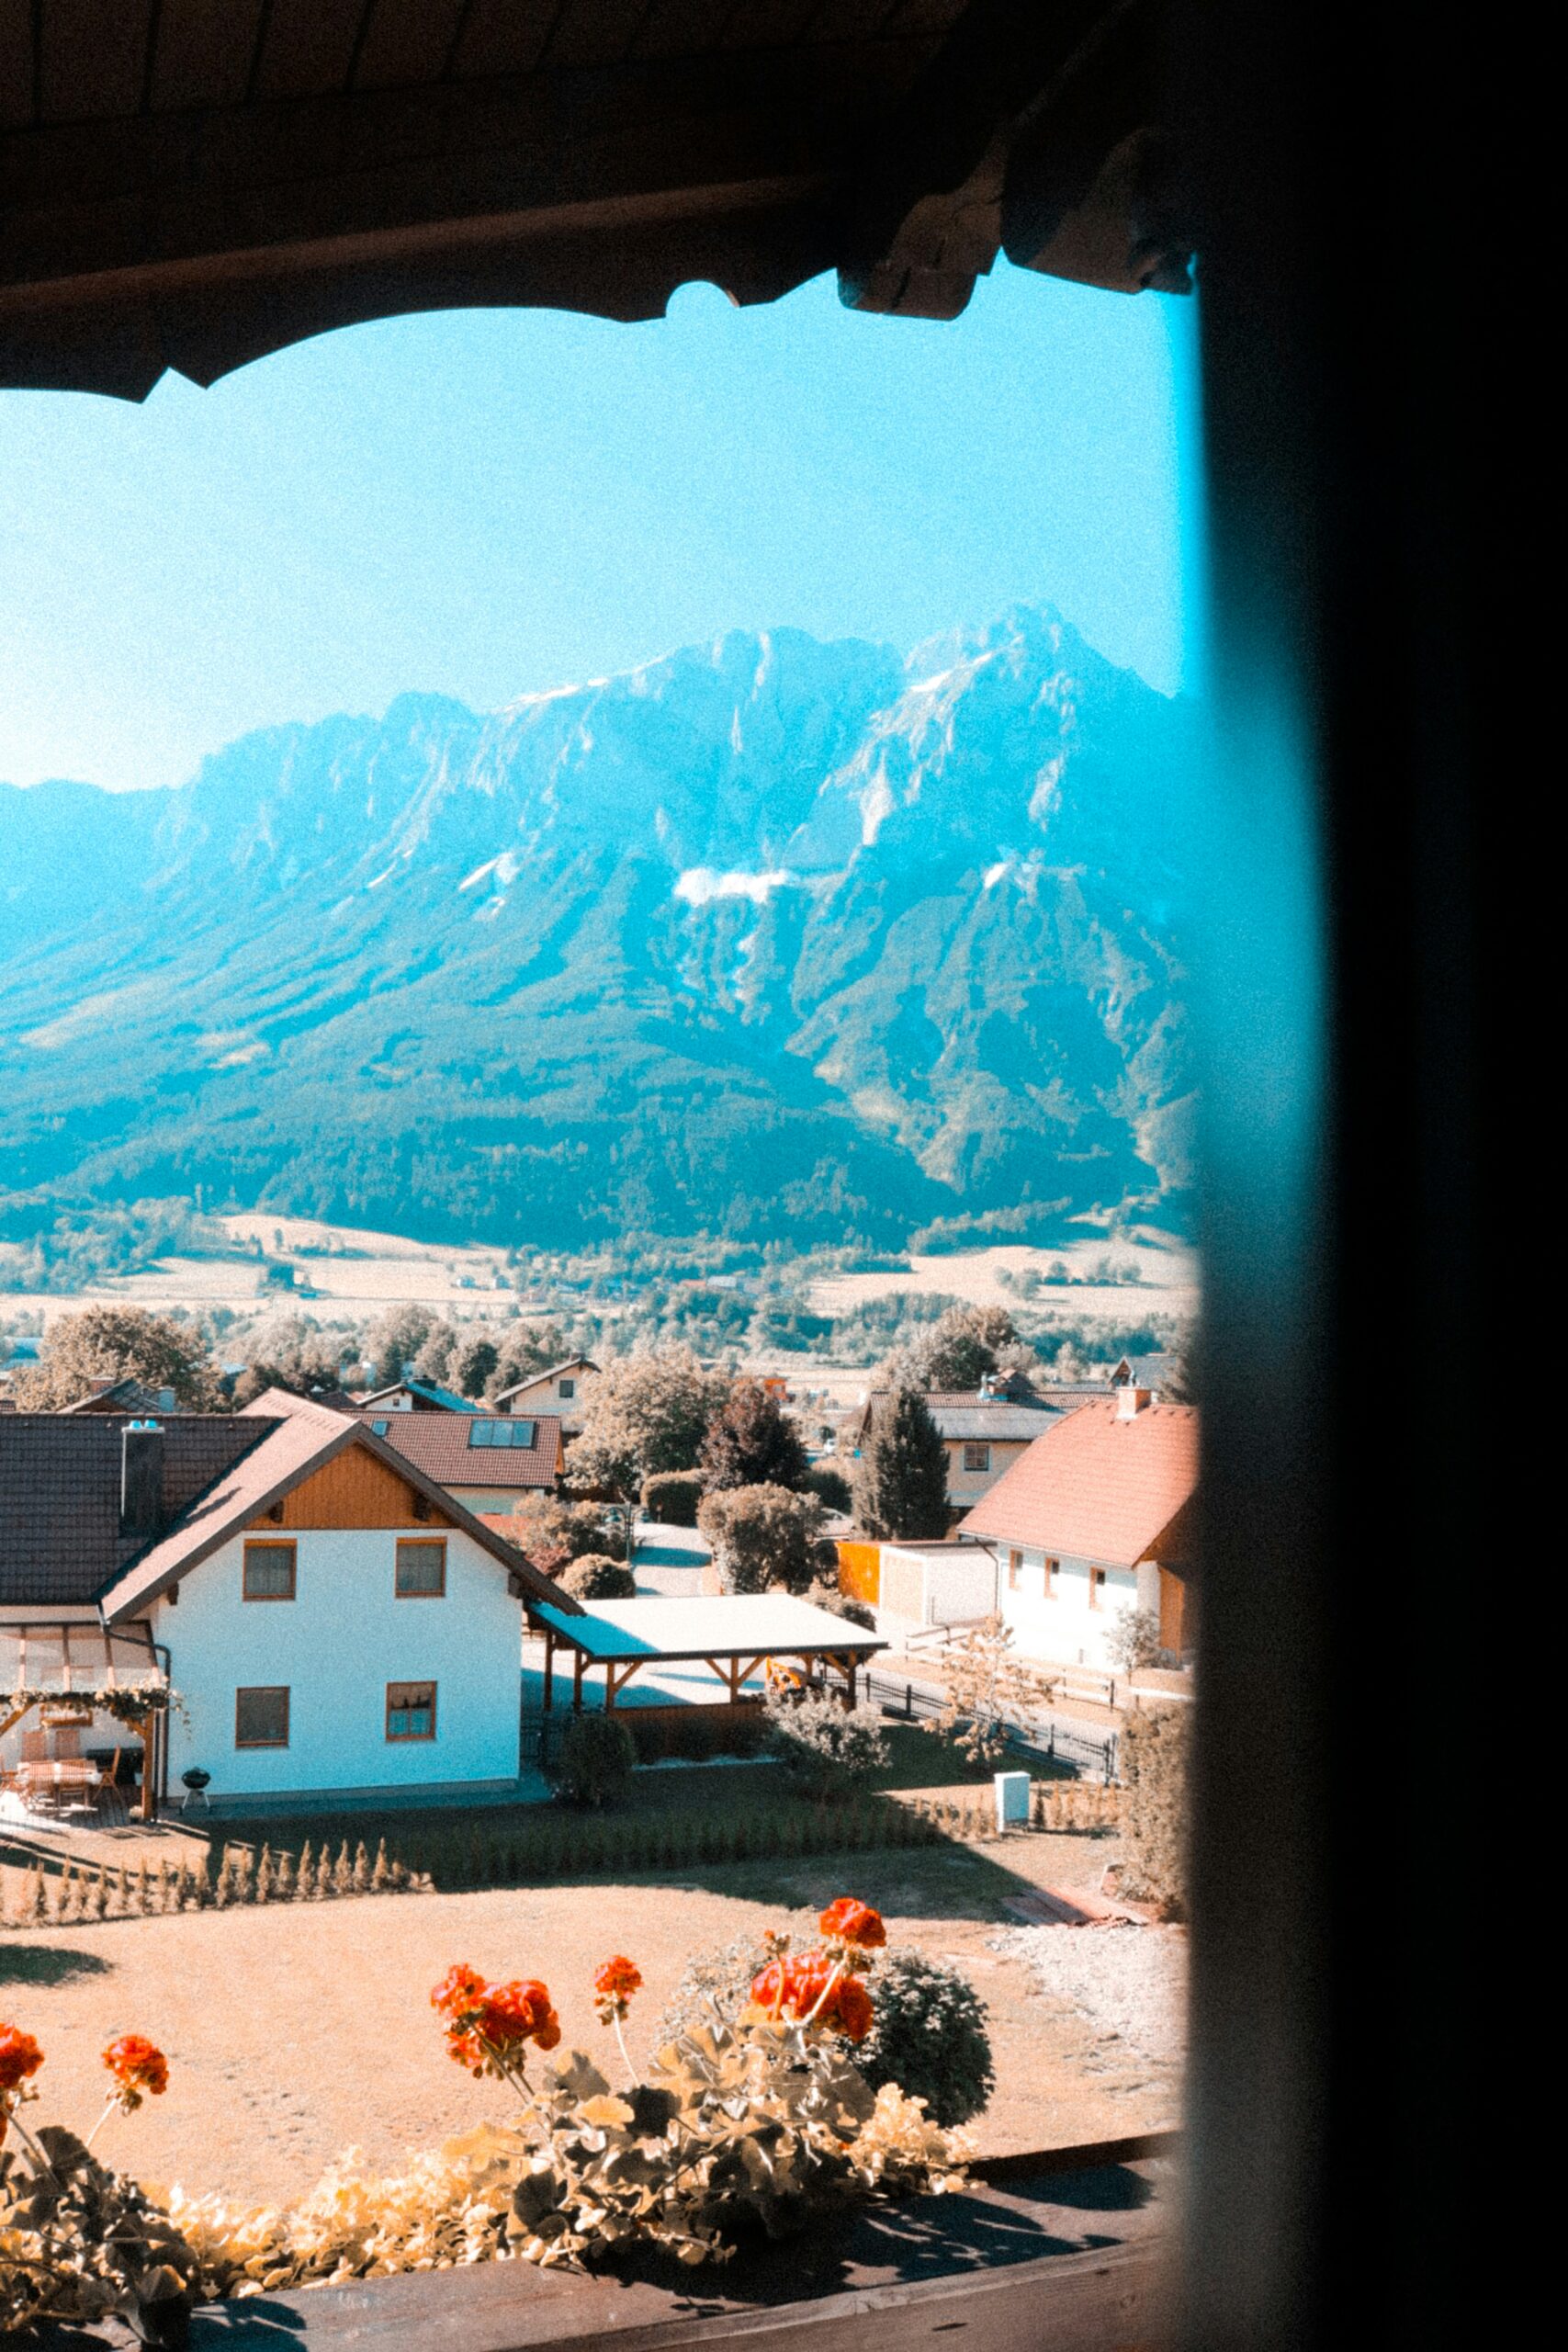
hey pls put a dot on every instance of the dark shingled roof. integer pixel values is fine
(59, 1473)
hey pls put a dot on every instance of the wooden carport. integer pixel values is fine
(732, 1635)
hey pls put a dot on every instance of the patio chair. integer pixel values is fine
(108, 1797)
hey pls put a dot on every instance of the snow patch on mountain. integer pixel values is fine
(699, 886)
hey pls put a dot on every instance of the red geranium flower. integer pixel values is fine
(20, 2057)
(618, 1980)
(138, 2066)
(793, 1988)
(489, 2026)
(849, 1922)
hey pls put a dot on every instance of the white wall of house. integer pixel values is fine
(966, 1486)
(492, 1498)
(547, 1397)
(1065, 1626)
(336, 1647)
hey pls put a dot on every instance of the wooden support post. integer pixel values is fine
(152, 1724)
(577, 1664)
(549, 1667)
(609, 1684)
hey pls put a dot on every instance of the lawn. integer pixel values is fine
(296, 2030)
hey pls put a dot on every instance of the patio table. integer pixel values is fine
(58, 1772)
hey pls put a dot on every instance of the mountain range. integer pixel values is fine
(771, 938)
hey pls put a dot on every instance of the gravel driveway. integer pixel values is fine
(1128, 1984)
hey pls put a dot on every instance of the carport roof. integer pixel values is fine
(752, 1624)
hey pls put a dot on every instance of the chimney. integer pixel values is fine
(140, 1478)
(1131, 1401)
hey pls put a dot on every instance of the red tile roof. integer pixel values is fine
(1098, 1487)
(438, 1444)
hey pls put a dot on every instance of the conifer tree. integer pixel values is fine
(342, 1871)
(381, 1875)
(282, 1875)
(305, 1879)
(264, 1876)
(361, 1881)
(901, 1479)
(324, 1880)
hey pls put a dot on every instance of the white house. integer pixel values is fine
(558, 1391)
(1096, 1519)
(333, 1621)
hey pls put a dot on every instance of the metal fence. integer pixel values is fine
(1047, 1741)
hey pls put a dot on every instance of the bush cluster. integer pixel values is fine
(595, 1761)
(830, 1487)
(596, 1576)
(193, 1885)
(670, 1498)
(826, 1745)
(695, 1734)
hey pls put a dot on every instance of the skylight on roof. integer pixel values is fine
(503, 1433)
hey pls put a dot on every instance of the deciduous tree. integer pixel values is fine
(763, 1536)
(120, 1343)
(752, 1441)
(644, 1413)
(989, 1692)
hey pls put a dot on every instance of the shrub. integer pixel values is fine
(670, 1498)
(596, 1758)
(830, 1487)
(552, 1532)
(763, 1536)
(825, 1747)
(823, 1595)
(1153, 1810)
(929, 2036)
(695, 1733)
(1133, 1641)
(595, 1576)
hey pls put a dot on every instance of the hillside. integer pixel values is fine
(771, 938)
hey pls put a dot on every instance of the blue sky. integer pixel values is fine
(483, 503)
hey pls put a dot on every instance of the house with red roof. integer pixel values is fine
(1098, 1517)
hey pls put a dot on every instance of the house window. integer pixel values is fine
(422, 1569)
(261, 1717)
(1048, 1583)
(977, 1458)
(411, 1711)
(1095, 1588)
(502, 1433)
(269, 1572)
(1015, 1571)
(567, 1390)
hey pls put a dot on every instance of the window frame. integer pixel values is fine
(1050, 1569)
(976, 1445)
(269, 1544)
(1015, 1570)
(567, 1391)
(420, 1543)
(1098, 1578)
(270, 1691)
(409, 1738)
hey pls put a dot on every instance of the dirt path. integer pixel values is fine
(296, 2032)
